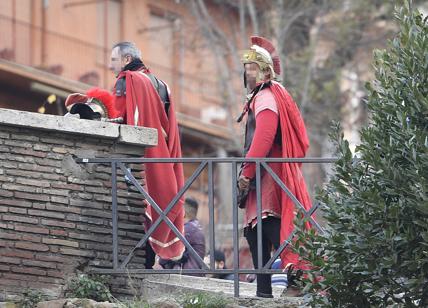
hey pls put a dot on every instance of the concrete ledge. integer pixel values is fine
(141, 136)
(159, 284)
(138, 135)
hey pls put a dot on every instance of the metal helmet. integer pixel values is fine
(263, 53)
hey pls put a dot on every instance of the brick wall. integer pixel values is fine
(55, 214)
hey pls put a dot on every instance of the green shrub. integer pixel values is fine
(205, 300)
(375, 249)
(93, 287)
(31, 298)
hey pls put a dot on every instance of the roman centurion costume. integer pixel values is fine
(274, 129)
(143, 100)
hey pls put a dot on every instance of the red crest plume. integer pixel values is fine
(266, 44)
(106, 98)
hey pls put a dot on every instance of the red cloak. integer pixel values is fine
(143, 107)
(295, 144)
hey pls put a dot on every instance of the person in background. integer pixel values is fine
(220, 263)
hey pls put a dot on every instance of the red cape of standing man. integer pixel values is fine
(143, 100)
(274, 129)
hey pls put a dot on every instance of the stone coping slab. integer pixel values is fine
(140, 136)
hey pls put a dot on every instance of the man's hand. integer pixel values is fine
(243, 183)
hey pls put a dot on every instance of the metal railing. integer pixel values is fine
(120, 268)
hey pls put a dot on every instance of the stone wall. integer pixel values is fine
(55, 214)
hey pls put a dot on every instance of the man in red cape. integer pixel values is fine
(274, 129)
(143, 100)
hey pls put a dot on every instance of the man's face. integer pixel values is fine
(117, 62)
(251, 71)
(218, 264)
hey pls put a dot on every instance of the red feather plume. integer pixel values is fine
(266, 44)
(106, 98)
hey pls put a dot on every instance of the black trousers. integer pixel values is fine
(270, 237)
(150, 256)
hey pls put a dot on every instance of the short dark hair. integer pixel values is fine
(219, 256)
(191, 206)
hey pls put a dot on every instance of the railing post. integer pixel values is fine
(259, 217)
(211, 213)
(114, 214)
(235, 232)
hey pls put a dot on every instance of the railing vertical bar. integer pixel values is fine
(235, 232)
(114, 214)
(259, 217)
(211, 213)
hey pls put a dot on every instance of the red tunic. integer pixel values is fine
(142, 106)
(294, 144)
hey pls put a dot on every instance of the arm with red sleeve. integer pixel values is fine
(264, 135)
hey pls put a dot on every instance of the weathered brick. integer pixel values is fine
(42, 148)
(21, 203)
(62, 209)
(22, 173)
(40, 206)
(54, 177)
(75, 180)
(25, 137)
(56, 192)
(62, 200)
(28, 229)
(20, 219)
(17, 210)
(98, 190)
(32, 246)
(56, 223)
(88, 237)
(46, 214)
(10, 260)
(56, 274)
(49, 162)
(9, 165)
(5, 193)
(38, 183)
(53, 140)
(34, 167)
(28, 196)
(4, 268)
(51, 280)
(28, 270)
(10, 236)
(95, 213)
(68, 186)
(60, 150)
(6, 243)
(58, 232)
(55, 156)
(76, 252)
(27, 152)
(85, 203)
(52, 258)
(39, 264)
(4, 135)
(17, 158)
(31, 238)
(14, 253)
(55, 241)
(22, 277)
(23, 188)
(4, 149)
(18, 144)
(85, 196)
